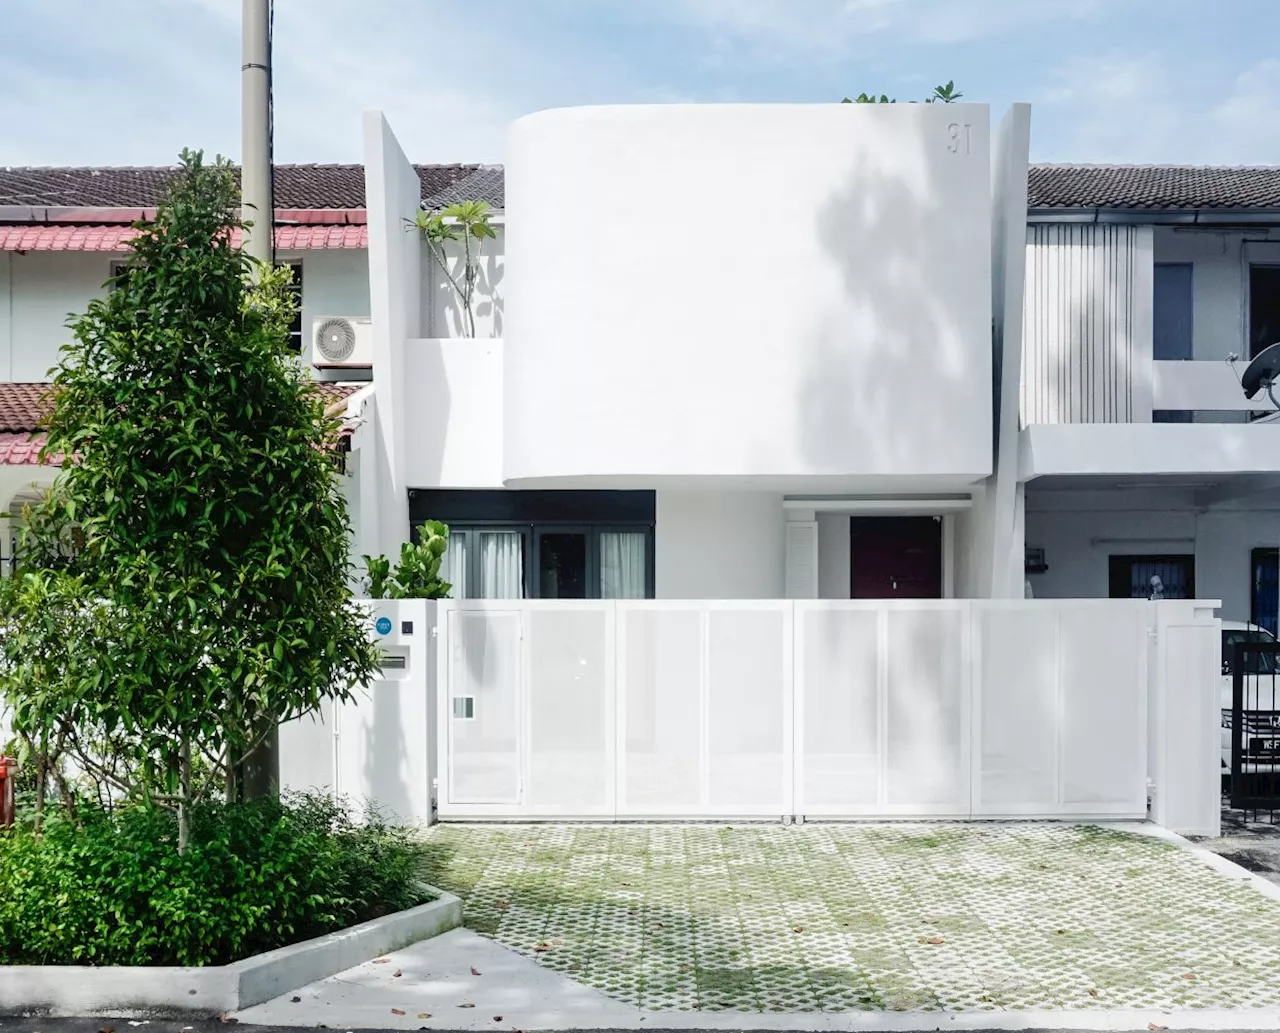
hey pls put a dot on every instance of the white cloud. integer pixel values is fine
(1125, 107)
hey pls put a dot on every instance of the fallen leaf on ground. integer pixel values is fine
(466, 1006)
(475, 971)
(543, 946)
(501, 905)
(396, 974)
(798, 929)
(934, 940)
(295, 1000)
(1093, 993)
(1188, 975)
(1155, 1028)
(424, 1014)
(397, 1011)
(382, 961)
(497, 1018)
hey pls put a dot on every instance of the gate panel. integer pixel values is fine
(662, 712)
(482, 707)
(838, 709)
(1104, 699)
(570, 711)
(1017, 696)
(927, 738)
(749, 709)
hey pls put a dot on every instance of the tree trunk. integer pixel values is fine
(42, 784)
(184, 793)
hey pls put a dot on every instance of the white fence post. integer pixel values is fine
(1185, 756)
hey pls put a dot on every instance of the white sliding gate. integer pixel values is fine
(580, 709)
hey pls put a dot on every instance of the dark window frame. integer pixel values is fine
(530, 545)
(296, 287)
(1120, 569)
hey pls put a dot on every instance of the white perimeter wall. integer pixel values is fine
(759, 292)
(719, 545)
(1067, 524)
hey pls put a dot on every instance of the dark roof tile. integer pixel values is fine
(1153, 186)
(297, 186)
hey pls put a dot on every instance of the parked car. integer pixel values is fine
(1261, 742)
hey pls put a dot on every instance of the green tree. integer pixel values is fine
(206, 599)
(947, 94)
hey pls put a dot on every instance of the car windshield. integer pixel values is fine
(1257, 661)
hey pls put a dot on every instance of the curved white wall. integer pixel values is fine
(787, 294)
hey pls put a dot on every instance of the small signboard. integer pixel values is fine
(383, 625)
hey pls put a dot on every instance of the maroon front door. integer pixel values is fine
(895, 558)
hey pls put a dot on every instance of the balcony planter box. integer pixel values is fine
(177, 992)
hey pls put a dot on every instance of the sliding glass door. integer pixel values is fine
(549, 560)
(624, 564)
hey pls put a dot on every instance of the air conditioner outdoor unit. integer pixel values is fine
(341, 341)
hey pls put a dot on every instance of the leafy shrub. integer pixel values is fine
(113, 890)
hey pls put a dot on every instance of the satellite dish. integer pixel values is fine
(1263, 372)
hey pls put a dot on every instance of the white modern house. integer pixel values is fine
(796, 405)
(772, 417)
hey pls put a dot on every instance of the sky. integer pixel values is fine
(131, 82)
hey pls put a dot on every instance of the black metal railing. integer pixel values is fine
(1255, 730)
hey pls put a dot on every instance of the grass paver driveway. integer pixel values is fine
(811, 918)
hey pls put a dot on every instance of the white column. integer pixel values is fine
(392, 197)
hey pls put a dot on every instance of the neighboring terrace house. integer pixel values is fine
(1148, 290)
(746, 351)
(63, 232)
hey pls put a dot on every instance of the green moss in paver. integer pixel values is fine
(767, 918)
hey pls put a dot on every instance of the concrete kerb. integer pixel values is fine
(171, 991)
(1215, 861)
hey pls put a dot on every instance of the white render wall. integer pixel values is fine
(453, 421)
(1068, 525)
(764, 291)
(335, 282)
(41, 289)
(38, 291)
(719, 545)
(1219, 282)
(441, 309)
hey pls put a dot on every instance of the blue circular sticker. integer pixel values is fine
(383, 625)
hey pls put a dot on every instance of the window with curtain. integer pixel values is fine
(501, 565)
(453, 564)
(622, 565)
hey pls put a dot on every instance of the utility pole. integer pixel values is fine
(255, 128)
(260, 772)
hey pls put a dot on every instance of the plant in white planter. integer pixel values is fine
(467, 222)
(417, 575)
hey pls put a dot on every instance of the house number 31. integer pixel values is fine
(958, 138)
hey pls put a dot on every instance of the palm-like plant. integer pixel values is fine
(470, 223)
